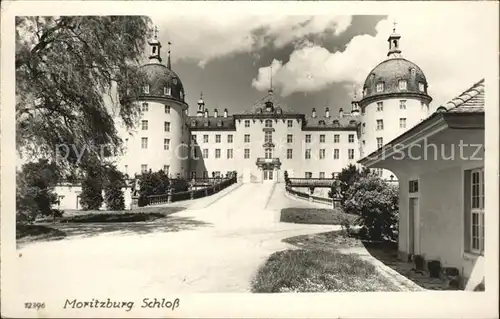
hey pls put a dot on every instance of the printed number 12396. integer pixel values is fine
(34, 305)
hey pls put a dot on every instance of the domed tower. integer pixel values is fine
(394, 99)
(162, 138)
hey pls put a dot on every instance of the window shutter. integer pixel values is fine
(467, 209)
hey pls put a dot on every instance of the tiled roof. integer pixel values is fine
(332, 122)
(276, 103)
(470, 101)
(211, 123)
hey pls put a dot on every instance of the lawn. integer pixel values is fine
(323, 216)
(38, 232)
(318, 270)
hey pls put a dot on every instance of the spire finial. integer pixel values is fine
(156, 32)
(271, 80)
(201, 95)
(394, 26)
(354, 91)
(169, 65)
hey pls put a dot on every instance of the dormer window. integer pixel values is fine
(322, 123)
(167, 90)
(421, 87)
(259, 110)
(145, 89)
(413, 72)
(352, 122)
(402, 84)
(278, 110)
(182, 95)
(193, 122)
(380, 87)
(336, 123)
(174, 80)
(365, 91)
(219, 123)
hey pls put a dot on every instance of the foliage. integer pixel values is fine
(34, 190)
(376, 203)
(346, 178)
(113, 193)
(92, 186)
(68, 70)
(287, 179)
(158, 183)
(322, 216)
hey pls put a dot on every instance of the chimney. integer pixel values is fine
(215, 113)
(313, 112)
(206, 112)
(225, 112)
(341, 113)
(327, 112)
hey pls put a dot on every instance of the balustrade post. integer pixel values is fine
(169, 195)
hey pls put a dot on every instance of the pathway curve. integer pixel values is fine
(241, 229)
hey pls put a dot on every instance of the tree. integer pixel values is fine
(92, 186)
(113, 193)
(73, 74)
(376, 203)
(35, 189)
(347, 177)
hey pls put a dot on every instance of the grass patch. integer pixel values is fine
(38, 232)
(322, 216)
(329, 241)
(318, 271)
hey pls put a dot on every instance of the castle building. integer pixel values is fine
(269, 137)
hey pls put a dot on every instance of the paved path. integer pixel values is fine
(241, 229)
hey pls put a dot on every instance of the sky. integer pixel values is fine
(317, 61)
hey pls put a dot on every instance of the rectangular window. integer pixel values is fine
(421, 87)
(289, 123)
(144, 168)
(167, 90)
(289, 153)
(268, 153)
(351, 153)
(380, 142)
(246, 153)
(322, 153)
(166, 144)
(193, 138)
(402, 104)
(268, 137)
(205, 153)
(145, 89)
(413, 186)
(308, 138)
(322, 138)
(402, 85)
(268, 123)
(380, 87)
(336, 138)
(309, 174)
(166, 169)
(289, 138)
(229, 153)
(217, 153)
(322, 175)
(247, 123)
(477, 211)
(351, 138)
(205, 138)
(167, 109)
(230, 138)
(380, 106)
(380, 125)
(167, 126)
(336, 153)
(144, 125)
(308, 153)
(379, 172)
(217, 138)
(402, 122)
(247, 138)
(145, 107)
(144, 142)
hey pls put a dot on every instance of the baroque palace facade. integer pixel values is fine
(269, 138)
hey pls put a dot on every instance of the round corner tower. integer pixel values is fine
(162, 137)
(394, 100)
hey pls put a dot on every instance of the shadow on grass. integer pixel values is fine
(319, 216)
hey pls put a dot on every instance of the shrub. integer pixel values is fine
(113, 193)
(346, 179)
(376, 203)
(34, 190)
(92, 185)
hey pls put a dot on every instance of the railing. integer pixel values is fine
(335, 203)
(311, 182)
(262, 160)
(216, 185)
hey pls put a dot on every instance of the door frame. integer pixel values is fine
(414, 220)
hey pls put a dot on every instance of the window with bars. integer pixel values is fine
(268, 153)
(205, 138)
(167, 90)
(205, 153)
(402, 104)
(217, 153)
(380, 106)
(247, 123)
(309, 175)
(167, 109)
(380, 87)
(246, 153)
(247, 138)
(269, 123)
(166, 169)
(166, 144)
(308, 138)
(145, 107)
(402, 122)
(289, 153)
(402, 85)
(308, 153)
(380, 142)
(336, 138)
(322, 138)
(421, 87)
(268, 137)
(413, 186)
(351, 138)
(193, 138)
(229, 153)
(289, 138)
(167, 126)
(217, 138)
(230, 138)
(144, 125)
(350, 153)
(144, 168)
(289, 123)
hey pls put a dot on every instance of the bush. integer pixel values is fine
(34, 190)
(376, 203)
(92, 185)
(346, 179)
(113, 193)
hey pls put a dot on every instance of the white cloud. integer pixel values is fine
(207, 37)
(447, 45)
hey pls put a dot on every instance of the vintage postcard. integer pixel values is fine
(249, 159)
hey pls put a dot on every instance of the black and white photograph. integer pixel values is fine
(249, 159)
